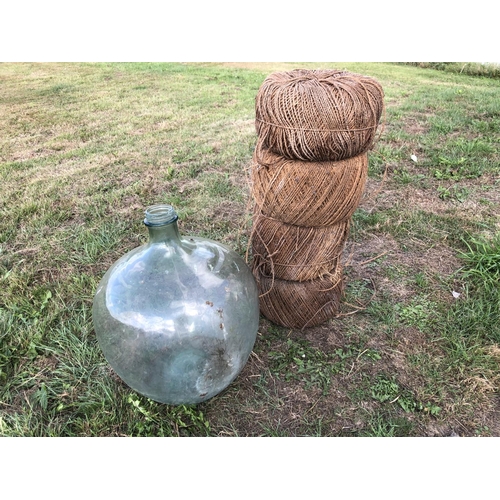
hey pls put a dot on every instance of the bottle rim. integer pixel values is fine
(159, 215)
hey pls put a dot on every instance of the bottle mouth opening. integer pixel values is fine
(159, 215)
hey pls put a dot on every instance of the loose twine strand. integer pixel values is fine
(304, 129)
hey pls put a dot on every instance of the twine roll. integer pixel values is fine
(318, 115)
(299, 304)
(305, 193)
(296, 253)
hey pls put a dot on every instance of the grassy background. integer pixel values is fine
(86, 147)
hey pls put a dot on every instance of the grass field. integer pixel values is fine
(85, 148)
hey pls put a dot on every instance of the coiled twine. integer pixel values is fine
(300, 304)
(296, 253)
(307, 193)
(318, 115)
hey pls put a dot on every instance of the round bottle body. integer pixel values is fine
(177, 318)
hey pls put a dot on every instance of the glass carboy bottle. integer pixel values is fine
(177, 318)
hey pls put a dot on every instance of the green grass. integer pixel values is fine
(489, 70)
(87, 147)
(479, 317)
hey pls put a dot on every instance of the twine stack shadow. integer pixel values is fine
(308, 174)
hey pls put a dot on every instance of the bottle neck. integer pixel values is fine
(161, 221)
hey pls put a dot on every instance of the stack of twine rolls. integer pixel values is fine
(308, 174)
